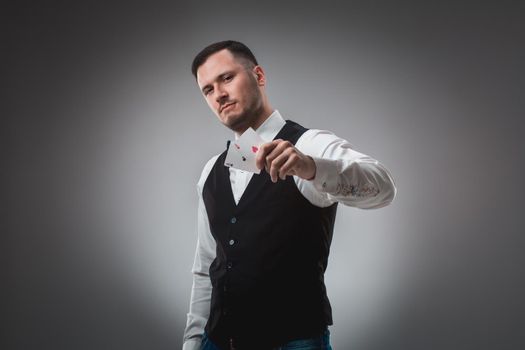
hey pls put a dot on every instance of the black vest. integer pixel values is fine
(272, 252)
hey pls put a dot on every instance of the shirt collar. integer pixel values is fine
(270, 127)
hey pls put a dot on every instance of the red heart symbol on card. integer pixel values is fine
(254, 149)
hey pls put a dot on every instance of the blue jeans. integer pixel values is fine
(318, 343)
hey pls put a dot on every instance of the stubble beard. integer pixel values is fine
(245, 119)
(248, 116)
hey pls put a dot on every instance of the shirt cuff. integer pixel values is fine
(326, 169)
(191, 345)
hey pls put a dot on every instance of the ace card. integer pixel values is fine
(242, 152)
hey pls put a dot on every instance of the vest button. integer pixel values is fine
(233, 220)
(229, 265)
(232, 242)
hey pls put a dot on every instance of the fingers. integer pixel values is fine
(288, 168)
(281, 147)
(264, 150)
(279, 157)
(276, 170)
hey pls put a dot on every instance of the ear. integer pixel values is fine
(260, 76)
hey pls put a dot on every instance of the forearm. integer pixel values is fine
(343, 174)
(361, 182)
(201, 287)
(199, 311)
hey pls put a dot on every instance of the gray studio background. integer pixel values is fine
(105, 134)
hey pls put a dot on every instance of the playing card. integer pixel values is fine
(234, 158)
(242, 152)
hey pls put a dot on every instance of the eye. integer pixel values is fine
(228, 77)
(207, 92)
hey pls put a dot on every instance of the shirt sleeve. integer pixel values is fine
(201, 288)
(342, 174)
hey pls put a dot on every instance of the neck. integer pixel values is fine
(261, 115)
(265, 113)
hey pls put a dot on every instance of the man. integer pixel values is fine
(264, 239)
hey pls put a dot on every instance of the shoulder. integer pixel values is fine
(206, 171)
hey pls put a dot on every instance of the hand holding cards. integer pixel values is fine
(242, 152)
(281, 158)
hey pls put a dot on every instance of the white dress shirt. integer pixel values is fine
(342, 175)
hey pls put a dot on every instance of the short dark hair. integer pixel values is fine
(238, 49)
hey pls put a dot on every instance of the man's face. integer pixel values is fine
(231, 90)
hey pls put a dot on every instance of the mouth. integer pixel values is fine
(227, 106)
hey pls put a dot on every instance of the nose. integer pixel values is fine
(221, 96)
